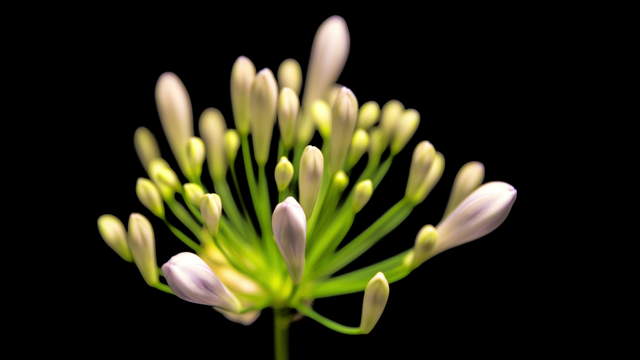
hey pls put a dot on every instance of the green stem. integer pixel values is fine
(309, 312)
(184, 238)
(281, 334)
(162, 287)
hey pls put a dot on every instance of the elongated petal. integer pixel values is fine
(290, 231)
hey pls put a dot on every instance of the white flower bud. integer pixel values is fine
(193, 193)
(310, 179)
(391, 113)
(262, 113)
(191, 279)
(164, 177)
(406, 127)
(231, 145)
(212, 130)
(149, 196)
(343, 122)
(142, 244)
(113, 233)
(290, 75)
(423, 156)
(283, 173)
(479, 214)
(359, 144)
(174, 108)
(288, 106)
(196, 153)
(146, 146)
(375, 299)
(362, 194)
(242, 76)
(368, 115)
(290, 231)
(211, 210)
(468, 179)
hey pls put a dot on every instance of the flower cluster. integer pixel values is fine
(246, 257)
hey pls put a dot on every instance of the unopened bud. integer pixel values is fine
(231, 145)
(391, 113)
(212, 130)
(290, 232)
(146, 146)
(343, 122)
(375, 299)
(424, 245)
(142, 244)
(283, 173)
(290, 75)
(113, 233)
(362, 194)
(262, 113)
(193, 193)
(242, 76)
(406, 127)
(150, 197)
(288, 106)
(340, 181)
(195, 156)
(311, 169)
(368, 115)
(468, 179)
(423, 156)
(321, 115)
(164, 177)
(211, 210)
(359, 144)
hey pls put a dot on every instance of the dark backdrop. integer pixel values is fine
(479, 78)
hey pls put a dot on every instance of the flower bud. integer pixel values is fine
(378, 142)
(164, 177)
(262, 113)
(424, 245)
(340, 181)
(193, 193)
(242, 76)
(362, 194)
(423, 156)
(359, 144)
(246, 318)
(468, 179)
(231, 145)
(283, 173)
(290, 231)
(391, 113)
(435, 172)
(321, 115)
(146, 146)
(311, 169)
(113, 233)
(196, 153)
(343, 123)
(212, 130)
(290, 75)
(174, 108)
(477, 215)
(406, 127)
(332, 94)
(142, 244)
(288, 106)
(191, 279)
(149, 196)
(368, 115)
(211, 210)
(375, 299)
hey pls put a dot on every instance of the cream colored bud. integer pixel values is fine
(378, 142)
(332, 94)
(375, 299)
(164, 177)
(362, 194)
(174, 108)
(424, 245)
(406, 127)
(149, 196)
(262, 113)
(242, 76)
(437, 168)
(340, 181)
(368, 115)
(290, 75)
(359, 144)
(343, 122)
(211, 210)
(391, 113)
(231, 145)
(193, 193)
(283, 173)
(212, 130)
(142, 244)
(288, 106)
(321, 115)
(196, 153)
(113, 233)
(146, 146)
(423, 156)
(311, 170)
(468, 179)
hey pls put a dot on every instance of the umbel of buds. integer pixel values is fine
(249, 251)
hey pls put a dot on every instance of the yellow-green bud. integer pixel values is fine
(211, 210)
(142, 244)
(196, 153)
(362, 194)
(262, 113)
(368, 115)
(375, 299)
(290, 75)
(164, 177)
(437, 168)
(343, 122)
(231, 145)
(283, 173)
(288, 106)
(378, 142)
(212, 130)
(113, 233)
(421, 161)
(406, 127)
(321, 115)
(391, 112)
(149, 196)
(242, 76)
(193, 193)
(340, 181)
(359, 144)
(468, 179)
(311, 169)
(424, 245)
(174, 108)
(146, 146)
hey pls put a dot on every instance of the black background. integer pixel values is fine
(481, 79)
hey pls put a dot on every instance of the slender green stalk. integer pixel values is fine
(184, 238)
(163, 287)
(309, 312)
(183, 215)
(281, 321)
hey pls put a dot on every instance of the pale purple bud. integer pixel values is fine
(290, 231)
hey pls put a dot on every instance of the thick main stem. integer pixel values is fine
(281, 334)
